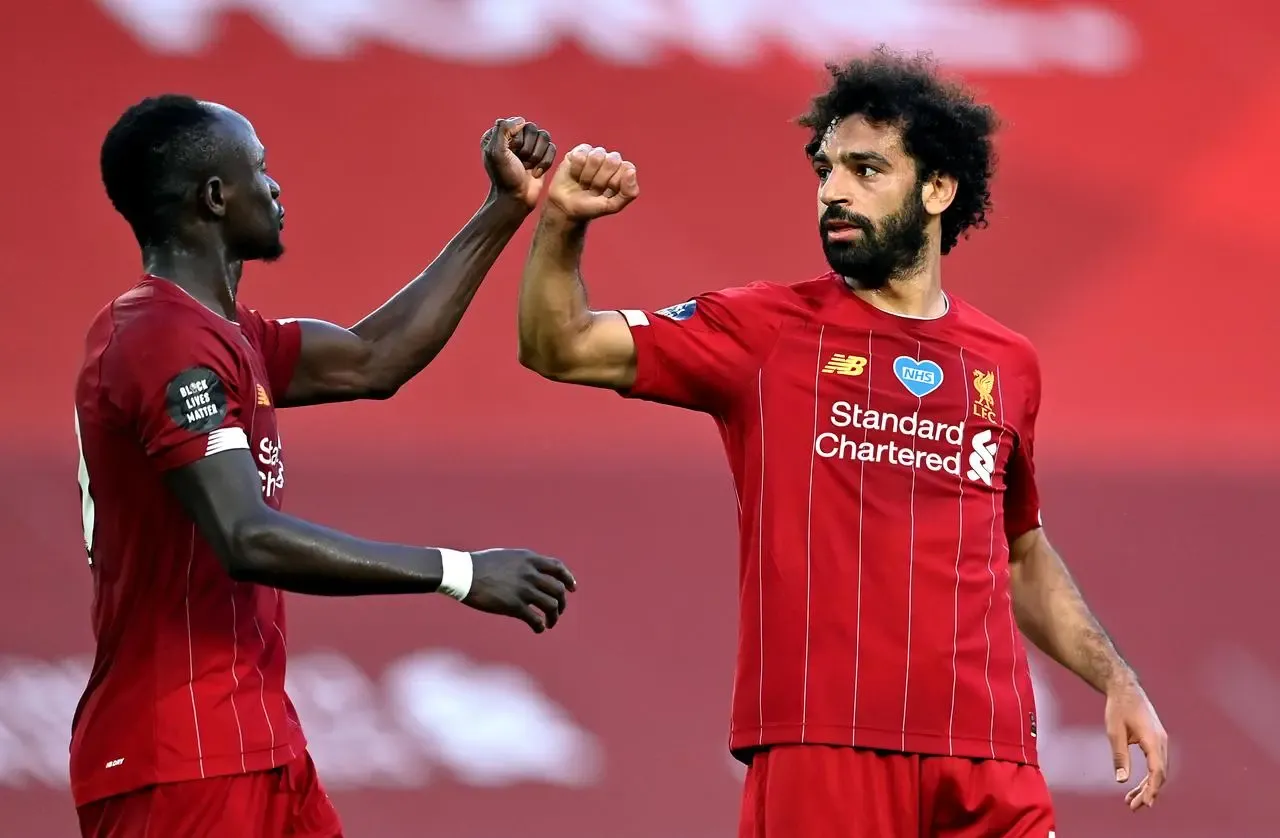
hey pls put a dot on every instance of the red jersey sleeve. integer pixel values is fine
(181, 386)
(280, 342)
(1022, 497)
(698, 354)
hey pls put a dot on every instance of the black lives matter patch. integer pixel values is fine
(196, 400)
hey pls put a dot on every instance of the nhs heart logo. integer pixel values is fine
(919, 377)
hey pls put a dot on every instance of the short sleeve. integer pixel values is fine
(700, 353)
(182, 387)
(1022, 497)
(280, 342)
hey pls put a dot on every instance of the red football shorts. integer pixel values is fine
(286, 801)
(816, 791)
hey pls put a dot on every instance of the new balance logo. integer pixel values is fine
(263, 400)
(982, 459)
(846, 364)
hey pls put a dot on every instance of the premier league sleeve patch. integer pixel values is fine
(196, 400)
(683, 311)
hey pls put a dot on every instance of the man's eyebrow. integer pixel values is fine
(853, 158)
(864, 157)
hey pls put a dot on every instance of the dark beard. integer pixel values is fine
(261, 251)
(880, 255)
(271, 254)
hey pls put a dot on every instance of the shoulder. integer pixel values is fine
(157, 336)
(149, 325)
(251, 323)
(773, 300)
(1011, 346)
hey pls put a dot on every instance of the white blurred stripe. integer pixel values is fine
(1247, 691)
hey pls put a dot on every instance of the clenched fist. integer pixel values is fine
(517, 157)
(593, 182)
(520, 584)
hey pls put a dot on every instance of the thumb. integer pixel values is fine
(1119, 753)
(630, 183)
(571, 164)
(502, 132)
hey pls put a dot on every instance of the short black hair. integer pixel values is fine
(153, 157)
(943, 128)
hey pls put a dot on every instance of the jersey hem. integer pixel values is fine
(742, 741)
(112, 784)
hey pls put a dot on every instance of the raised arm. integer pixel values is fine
(699, 354)
(256, 543)
(376, 356)
(561, 338)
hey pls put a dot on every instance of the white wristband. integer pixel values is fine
(456, 571)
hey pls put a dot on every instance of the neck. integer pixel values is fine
(914, 294)
(207, 274)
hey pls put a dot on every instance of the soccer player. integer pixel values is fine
(185, 728)
(881, 435)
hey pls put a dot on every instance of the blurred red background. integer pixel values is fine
(1132, 240)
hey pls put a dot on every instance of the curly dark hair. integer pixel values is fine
(153, 158)
(943, 128)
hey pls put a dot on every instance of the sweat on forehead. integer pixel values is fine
(883, 134)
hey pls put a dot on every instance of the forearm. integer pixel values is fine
(1052, 613)
(411, 328)
(553, 306)
(288, 553)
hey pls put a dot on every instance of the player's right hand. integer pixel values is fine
(520, 584)
(593, 182)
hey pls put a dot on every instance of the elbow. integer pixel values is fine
(248, 549)
(551, 368)
(553, 356)
(535, 361)
(382, 391)
(383, 384)
(541, 359)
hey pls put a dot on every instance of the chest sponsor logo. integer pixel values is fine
(910, 440)
(911, 428)
(982, 457)
(919, 377)
(270, 466)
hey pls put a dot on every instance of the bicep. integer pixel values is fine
(701, 353)
(1026, 546)
(334, 365)
(602, 354)
(1029, 555)
(223, 494)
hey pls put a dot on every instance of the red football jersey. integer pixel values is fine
(882, 465)
(188, 679)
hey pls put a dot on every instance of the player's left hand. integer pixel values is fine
(517, 157)
(1131, 720)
